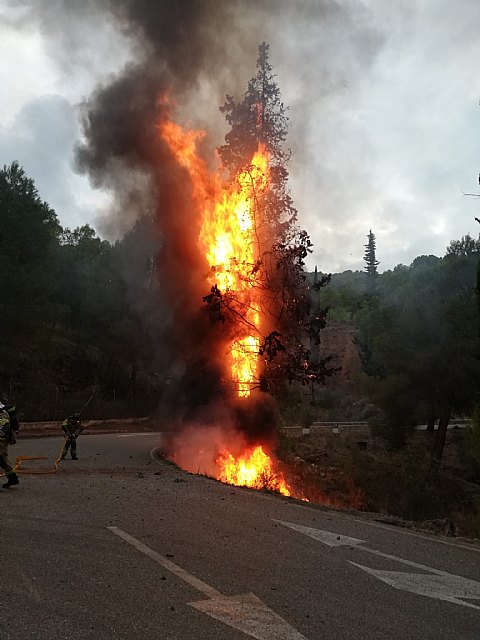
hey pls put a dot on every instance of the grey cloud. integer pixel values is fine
(383, 103)
(41, 139)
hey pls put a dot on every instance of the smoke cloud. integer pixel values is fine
(190, 54)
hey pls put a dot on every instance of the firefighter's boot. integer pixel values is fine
(12, 480)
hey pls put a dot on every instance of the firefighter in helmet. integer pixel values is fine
(72, 428)
(7, 437)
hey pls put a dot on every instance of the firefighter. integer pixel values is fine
(7, 437)
(72, 428)
(11, 409)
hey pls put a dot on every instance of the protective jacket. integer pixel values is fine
(14, 425)
(72, 427)
(7, 436)
(5, 429)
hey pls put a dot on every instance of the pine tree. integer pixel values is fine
(260, 118)
(371, 263)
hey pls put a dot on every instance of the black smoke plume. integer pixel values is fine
(182, 50)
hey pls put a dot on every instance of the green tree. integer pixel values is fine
(371, 263)
(108, 296)
(82, 255)
(467, 246)
(28, 243)
(473, 434)
(259, 117)
(420, 343)
(345, 296)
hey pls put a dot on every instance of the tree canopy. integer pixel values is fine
(29, 238)
(419, 340)
(371, 262)
(67, 320)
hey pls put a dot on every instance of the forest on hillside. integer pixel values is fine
(76, 312)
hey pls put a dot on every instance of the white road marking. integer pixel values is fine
(397, 529)
(167, 564)
(246, 613)
(442, 585)
(401, 531)
(249, 615)
(330, 539)
(417, 565)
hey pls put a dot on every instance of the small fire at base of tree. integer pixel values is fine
(224, 454)
(254, 468)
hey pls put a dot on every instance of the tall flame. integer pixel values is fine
(230, 219)
(228, 241)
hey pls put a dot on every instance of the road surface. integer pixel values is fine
(121, 545)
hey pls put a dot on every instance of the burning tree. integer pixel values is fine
(254, 149)
(252, 244)
(258, 299)
(235, 303)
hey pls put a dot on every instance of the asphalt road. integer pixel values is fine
(121, 545)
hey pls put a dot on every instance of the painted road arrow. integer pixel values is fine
(328, 538)
(441, 585)
(246, 613)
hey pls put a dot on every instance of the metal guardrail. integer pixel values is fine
(56, 425)
(336, 427)
(339, 424)
(462, 423)
(317, 427)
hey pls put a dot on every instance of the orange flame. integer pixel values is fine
(228, 238)
(253, 469)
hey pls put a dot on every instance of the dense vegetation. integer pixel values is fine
(75, 311)
(418, 334)
(416, 329)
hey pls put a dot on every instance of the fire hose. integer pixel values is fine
(42, 472)
(35, 472)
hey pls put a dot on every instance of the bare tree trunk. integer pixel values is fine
(441, 435)
(431, 424)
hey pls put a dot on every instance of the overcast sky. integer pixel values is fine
(384, 110)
